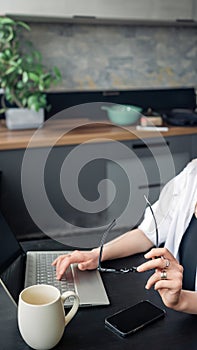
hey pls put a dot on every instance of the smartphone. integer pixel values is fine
(130, 320)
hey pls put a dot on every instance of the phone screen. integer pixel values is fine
(135, 317)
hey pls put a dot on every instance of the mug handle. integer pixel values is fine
(75, 305)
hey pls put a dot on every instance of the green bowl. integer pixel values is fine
(123, 114)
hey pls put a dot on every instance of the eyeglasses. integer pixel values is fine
(155, 222)
(109, 228)
(103, 269)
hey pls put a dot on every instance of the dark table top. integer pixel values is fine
(87, 329)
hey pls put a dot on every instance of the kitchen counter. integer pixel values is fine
(76, 131)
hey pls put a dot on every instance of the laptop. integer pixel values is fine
(20, 269)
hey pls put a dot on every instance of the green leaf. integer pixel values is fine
(41, 87)
(24, 25)
(34, 105)
(1, 55)
(6, 20)
(37, 55)
(20, 85)
(8, 35)
(32, 100)
(24, 101)
(19, 61)
(34, 77)
(57, 72)
(8, 53)
(25, 77)
(10, 70)
(1, 35)
(2, 110)
(43, 99)
(29, 59)
(47, 83)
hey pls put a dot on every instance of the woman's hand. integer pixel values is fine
(86, 260)
(167, 278)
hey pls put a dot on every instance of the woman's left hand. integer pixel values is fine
(168, 275)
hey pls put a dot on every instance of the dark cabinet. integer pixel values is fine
(111, 182)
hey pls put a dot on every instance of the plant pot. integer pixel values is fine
(23, 118)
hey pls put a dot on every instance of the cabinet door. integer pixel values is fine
(172, 10)
(194, 146)
(101, 9)
(144, 176)
(195, 10)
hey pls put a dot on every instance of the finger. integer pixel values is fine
(88, 265)
(63, 263)
(159, 252)
(159, 263)
(153, 279)
(61, 267)
(168, 284)
(72, 258)
(175, 276)
(55, 261)
(60, 257)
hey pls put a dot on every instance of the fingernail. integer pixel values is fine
(146, 286)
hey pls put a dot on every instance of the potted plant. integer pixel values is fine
(23, 77)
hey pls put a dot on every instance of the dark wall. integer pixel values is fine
(158, 99)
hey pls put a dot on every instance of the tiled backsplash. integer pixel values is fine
(118, 57)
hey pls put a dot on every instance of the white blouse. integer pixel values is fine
(173, 210)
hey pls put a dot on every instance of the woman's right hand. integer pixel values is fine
(86, 260)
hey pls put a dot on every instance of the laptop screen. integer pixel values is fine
(9, 246)
(12, 261)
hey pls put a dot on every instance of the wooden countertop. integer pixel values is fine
(76, 131)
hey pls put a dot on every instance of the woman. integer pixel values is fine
(176, 215)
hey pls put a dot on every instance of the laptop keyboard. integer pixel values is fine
(46, 273)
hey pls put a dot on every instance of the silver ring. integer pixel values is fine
(163, 275)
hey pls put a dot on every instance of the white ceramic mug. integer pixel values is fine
(41, 315)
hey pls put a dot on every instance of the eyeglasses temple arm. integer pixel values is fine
(156, 228)
(112, 224)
